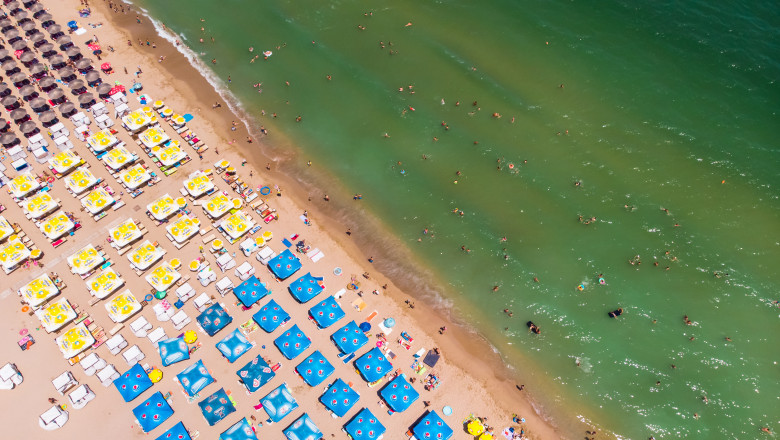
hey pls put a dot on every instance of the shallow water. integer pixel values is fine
(670, 107)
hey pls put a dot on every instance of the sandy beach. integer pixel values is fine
(473, 378)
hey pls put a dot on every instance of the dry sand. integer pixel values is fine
(473, 379)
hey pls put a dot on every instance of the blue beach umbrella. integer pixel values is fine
(133, 382)
(315, 369)
(271, 316)
(303, 429)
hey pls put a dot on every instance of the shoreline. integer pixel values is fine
(459, 344)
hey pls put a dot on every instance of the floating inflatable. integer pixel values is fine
(616, 313)
(267, 53)
(581, 287)
(601, 281)
(265, 190)
(533, 327)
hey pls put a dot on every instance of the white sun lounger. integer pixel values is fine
(54, 418)
(64, 382)
(202, 302)
(157, 335)
(107, 375)
(140, 327)
(133, 355)
(116, 344)
(92, 363)
(81, 396)
(180, 319)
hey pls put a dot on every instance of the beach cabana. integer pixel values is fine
(133, 382)
(145, 255)
(218, 205)
(432, 426)
(315, 369)
(365, 426)
(234, 345)
(326, 312)
(241, 430)
(183, 228)
(118, 157)
(292, 342)
(303, 428)
(373, 365)
(271, 316)
(39, 290)
(198, 184)
(104, 283)
(349, 338)
(153, 137)
(97, 200)
(255, 374)
(84, 260)
(163, 277)
(75, 340)
(216, 407)
(163, 207)
(40, 205)
(214, 319)
(125, 233)
(304, 288)
(173, 350)
(22, 185)
(135, 121)
(250, 291)
(399, 394)
(101, 140)
(339, 398)
(6, 230)
(176, 432)
(194, 378)
(80, 180)
(56, 226)
(152, 412)
(237, 224)
(56, 315)
(135, 176)
(65, 161)
(284, 265)
(168, 154)
(12, 253)
(279, 402)
(123, 306)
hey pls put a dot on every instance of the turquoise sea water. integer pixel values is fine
(667, 116)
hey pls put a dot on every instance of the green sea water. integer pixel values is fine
(665, 113)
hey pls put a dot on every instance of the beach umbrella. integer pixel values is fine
(67, 74)
(65, 42)
(12, 5)
(21, 15)
(74, 53)
(8, 139)
(38, 39)
(45, 17)
(28, 92)
(104, 90)
(57, 96)
(10, 67)
(389, 323)
(40, 13)
(5, 56)
(48, 118)
(10, 102)
(77, 86)
(57, 62)
(86, 100)
(84, 65)
(38, 70)
(47, 50)
(105, 66)
(4, 90)
(364, 327)
(28, 58)
(53, 29)
(93, 78)
(4, 23)
(19, 115)
(19, 79)
(36, 7)
(68, 109)
(39, 105)
(11, 32)
(19, 45)
(118, 89)
(28, 26)
(4, 125)
(28, 128)
(47, 83)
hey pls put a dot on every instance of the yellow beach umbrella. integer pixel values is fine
(155, 375)
(216, 244)
(190, 336)
(260, 241)
(268, 235)
(157, 104)
(194, 265)
(475, 427)
(176, 263)
(486, 436)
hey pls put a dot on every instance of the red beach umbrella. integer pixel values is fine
(117, 89)
(105, 66)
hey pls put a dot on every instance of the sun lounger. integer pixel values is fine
(92, 363)
(64, 382)
(140, 327)
(202, 302)
(81, 396)
(107, 375)
(156, 336)
(133, 355)
(116, 344)
(180, 319)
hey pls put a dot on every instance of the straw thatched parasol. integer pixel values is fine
(11, 33)
(48, 118)
(56, 94)
(39, 105)
(104, 90)
(67, 74)
(4, 90)
(76, 85)
(86, 100)
(57, 62)
(4, 125)
(38, 39)
(28, 26)
(67, 109)
(10, 101)
(8, 139)
(21, 15)
(27, 58)
(53, 29)
(64, 42)
(19, 79)
(28, 128)
(93, 78)
(10, 67)
(19, 115)
(28, 92)
(37, 70)
(74, 53)
(19, 45)
(47, 83)
(84, 64)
